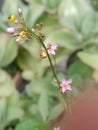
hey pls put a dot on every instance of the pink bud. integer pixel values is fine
(10, 30)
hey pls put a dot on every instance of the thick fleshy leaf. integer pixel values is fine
(28, 124)
(14, 112)
(50, 23)
(13, 10)
(62, 38)
(91, 59)
(31, 124)
(27, 75)
(76, 16)
(8, 51)
(32, 13)
(43, 105)
(56, 111)
(34, 1)
(6, 86)
(2, 110)
(51, 5)
(26, 60)
(71, 13)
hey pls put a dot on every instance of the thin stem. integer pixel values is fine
(40, 40)
(54, 62)
(54, 72)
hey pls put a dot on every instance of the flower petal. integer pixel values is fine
(63, 89)
(68, 87)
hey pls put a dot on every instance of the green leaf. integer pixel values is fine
(35, 1)
(71, 13)
(13, 10)
(28, 124)
(91, 59)
(31, 124)
(43, 105)
(50, 23)
(56, 111)
(7, 88)
(14, 112)
(2, 110)
(51, 5)
(27, 75)
(32, 13)
(82, 69)
(62, 38)
(9, 50)
(26, 60)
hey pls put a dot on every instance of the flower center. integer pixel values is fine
(12, 18)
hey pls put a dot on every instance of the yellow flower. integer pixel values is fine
(12, 18)
(23, 34)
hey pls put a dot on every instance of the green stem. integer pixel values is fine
(40, 40)
(54, 72)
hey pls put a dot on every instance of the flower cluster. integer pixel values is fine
(22, 33)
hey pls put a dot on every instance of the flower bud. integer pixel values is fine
(42, 35)
(10, 30)
(19, 12)
(43, 54)
(18, 40)
(17, 21)
(39, 26)
(33, 30)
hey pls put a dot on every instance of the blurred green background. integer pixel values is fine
(29, 99)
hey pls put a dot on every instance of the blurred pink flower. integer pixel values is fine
(56, 128)
(65, 85)
(52, 49)
(10, 30)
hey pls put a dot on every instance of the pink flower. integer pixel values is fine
(65, 85)
(56, 128)
(10, 30)
(52, 49)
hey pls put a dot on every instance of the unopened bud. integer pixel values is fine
(10, 30)
(33, 30)
(39, 26)
(43, 54)
(17, 21)
(19, 12)
(42, 35)
(55, 81)
(18, 40)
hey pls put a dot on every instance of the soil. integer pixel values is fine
(83, 115)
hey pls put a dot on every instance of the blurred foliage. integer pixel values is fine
(73, 26)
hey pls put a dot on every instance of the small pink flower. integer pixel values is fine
(56, 128)
(65, 85)
(10, 30)
(52, 49)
